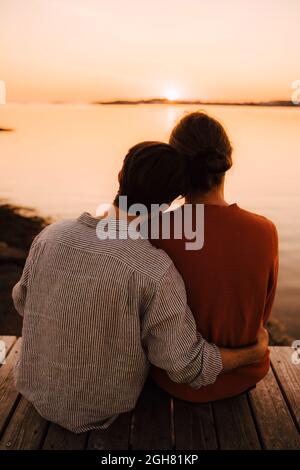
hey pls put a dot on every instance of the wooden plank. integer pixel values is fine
(194, 426)
(9, 342)
(275, 424)
(151, 428)
(288, 378)
(25, 430)
(234, 423)
(116, 437)
(58, 438)
(8, 393)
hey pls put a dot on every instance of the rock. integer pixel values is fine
(278, 335)
(10, 320)
(9, 254)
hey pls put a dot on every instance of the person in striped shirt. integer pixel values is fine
(98, 311)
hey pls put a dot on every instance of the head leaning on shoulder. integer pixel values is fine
(207, 149)
(152, 173)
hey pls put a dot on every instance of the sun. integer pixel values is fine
(171, 94)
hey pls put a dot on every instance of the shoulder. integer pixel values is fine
(139, 255)
(257, 219)
(149, 260)
(55, 229)
(260, 223)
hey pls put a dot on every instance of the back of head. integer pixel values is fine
(206, 146)
(152, 173)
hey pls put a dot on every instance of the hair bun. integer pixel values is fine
(210, 160)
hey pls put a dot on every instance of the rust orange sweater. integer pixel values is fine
(230, 285)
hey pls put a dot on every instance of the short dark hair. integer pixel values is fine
(152, 173)
(204, 142)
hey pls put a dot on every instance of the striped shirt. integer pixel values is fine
(96, 314)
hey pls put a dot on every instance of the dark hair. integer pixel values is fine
(206, 146)
(152, 173)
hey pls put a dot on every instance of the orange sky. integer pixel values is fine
(85, 50)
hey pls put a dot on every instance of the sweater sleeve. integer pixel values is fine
(273, 276)
(170, 338)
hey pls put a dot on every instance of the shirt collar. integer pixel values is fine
(114, 224)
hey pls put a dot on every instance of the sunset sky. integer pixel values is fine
(85, 50)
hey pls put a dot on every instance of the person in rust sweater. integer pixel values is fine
(231, 280)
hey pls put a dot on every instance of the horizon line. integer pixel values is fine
(157, 100)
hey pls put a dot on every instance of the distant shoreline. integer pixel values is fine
(165, 101)
(158, 101)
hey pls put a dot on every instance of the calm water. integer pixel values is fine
(65, 159)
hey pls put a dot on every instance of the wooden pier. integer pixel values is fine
(267, 417)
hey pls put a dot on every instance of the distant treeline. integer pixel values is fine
(198, 102)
